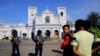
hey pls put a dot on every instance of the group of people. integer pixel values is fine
(38, 39)
(80, 43)
(77, 44)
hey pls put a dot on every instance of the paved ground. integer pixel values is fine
(27, 47)
(51, 48)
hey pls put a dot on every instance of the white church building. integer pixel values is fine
(49, 23)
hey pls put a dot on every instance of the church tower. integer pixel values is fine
(32, 12)
(62, 15)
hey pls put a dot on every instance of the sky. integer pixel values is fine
(16, 11)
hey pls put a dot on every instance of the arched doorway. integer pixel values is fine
(24, 35)
(56, 34)
(48, 33)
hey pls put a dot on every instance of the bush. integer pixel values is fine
(96, 31)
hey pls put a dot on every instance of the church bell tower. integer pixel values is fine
(62, 15)
(32, 12)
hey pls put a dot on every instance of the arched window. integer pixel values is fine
(61, 13)
(47, 19)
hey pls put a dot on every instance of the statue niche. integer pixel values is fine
(47, 19)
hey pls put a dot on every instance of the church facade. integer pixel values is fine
(49, 23)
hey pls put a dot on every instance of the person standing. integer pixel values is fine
(66, 44)
(83, 39)
(15, 43)
(39, 40)
(96, 43)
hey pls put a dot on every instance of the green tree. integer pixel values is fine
(96, 31)
(93, 17)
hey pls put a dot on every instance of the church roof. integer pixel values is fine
(47, 11)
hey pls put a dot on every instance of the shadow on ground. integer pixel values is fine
(31, 54)
(57, 51)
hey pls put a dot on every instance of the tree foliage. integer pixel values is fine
(96, 31)
(93, 17)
